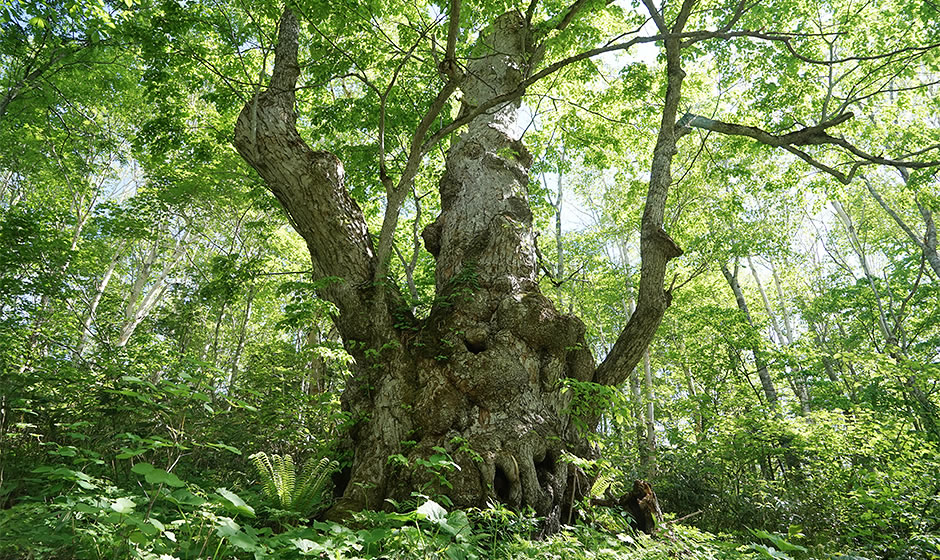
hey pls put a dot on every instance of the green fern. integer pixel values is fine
(604, 480)
(280, 483)
(313, 481)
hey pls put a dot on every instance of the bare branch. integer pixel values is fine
(530, 11)
(684, 12)
(383, 98)
(657, 16)
(786, 38)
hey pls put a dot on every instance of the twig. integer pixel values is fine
(683, 518)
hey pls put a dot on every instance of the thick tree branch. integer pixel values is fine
(683, 17)
(396, 196)
(310, 186)
(808, 136)
(657, 16)
(656, 247)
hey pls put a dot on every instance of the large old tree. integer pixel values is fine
(483, 374)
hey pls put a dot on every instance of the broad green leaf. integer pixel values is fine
(432, 511)
(154, 475)
(229, 448)
(232, 502)
(123, 505)
(142, 468)
(230, 530)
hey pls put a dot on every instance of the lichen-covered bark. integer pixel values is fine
(496, 351)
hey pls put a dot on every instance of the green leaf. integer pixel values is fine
(228, 529)
(154, 475)
(307, 546)
(228, 448)
(432, 511)
(123, 505)
(185, 497)
(128, 453)
(142, 468)
(232, 502)
(779, 542)
(160, 476)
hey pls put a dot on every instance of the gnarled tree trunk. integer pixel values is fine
(482, 375)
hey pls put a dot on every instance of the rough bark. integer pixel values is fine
(640, 503)
(656, 247)
(495, 349)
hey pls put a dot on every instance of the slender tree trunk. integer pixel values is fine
(927, 412)
(770, 392)
(138, 309)
(215, 333)
(783, 338)
(559, 246)
(95, 300)
(763, 296)
(928, 243)
(650, 417)
(699, 426)
(799, 381)
(643, 415)
(883, 322)
(409, 266)
(242, 338)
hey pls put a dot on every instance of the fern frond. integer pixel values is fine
(267, 474)
(286, 480)
(313, 481)
(278, 476)
(603, 481)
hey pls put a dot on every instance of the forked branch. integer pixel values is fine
(807, 136)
